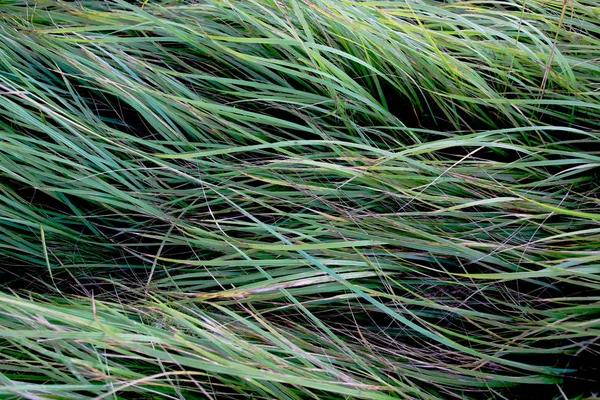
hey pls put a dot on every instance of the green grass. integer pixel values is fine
(299, 199)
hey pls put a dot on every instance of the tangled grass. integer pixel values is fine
(299, 199)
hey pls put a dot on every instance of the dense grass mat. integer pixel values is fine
(299, 199)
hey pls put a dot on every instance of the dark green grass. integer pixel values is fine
(299, 199)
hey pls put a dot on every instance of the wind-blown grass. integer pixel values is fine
(294, 199)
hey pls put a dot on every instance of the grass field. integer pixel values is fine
(299, 199)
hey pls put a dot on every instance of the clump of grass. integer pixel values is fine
(297, 199)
